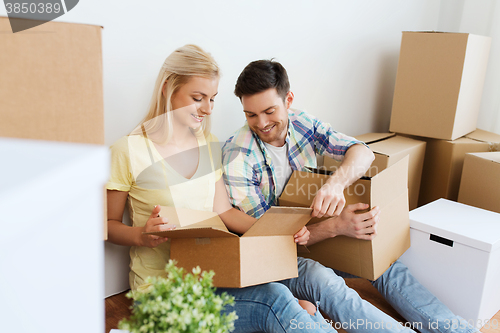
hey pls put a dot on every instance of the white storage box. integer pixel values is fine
(52, 252)
(455, 253)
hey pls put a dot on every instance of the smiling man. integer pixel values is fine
(258, 160)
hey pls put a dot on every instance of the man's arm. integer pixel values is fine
(329, 201)
(348, 223)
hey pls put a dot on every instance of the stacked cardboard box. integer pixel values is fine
(455, 248)
(444, 162)
(369, 259)
(436, 99)
(388, 149)
(480, 185)
(439, 84)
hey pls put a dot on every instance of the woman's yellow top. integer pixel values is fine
(138, 168)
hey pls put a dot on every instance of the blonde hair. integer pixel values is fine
(182, 64)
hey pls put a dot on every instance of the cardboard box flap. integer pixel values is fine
(192, 224)
(454, 221)
(188, 232)
(485, 136)
(183, 217)
(394, 145)
(280, 221)
(388, 182)
(374, 137)
(326, 172)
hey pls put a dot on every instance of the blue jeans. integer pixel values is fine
(272, 308)
(415, 303)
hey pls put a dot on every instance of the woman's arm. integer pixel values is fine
(121, 234)
(234, 219)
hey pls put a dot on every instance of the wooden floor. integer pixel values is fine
(118, 306)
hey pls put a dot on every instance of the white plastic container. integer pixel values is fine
(455, 253)
(51, 239)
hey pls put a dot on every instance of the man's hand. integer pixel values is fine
(360, 226)
(329, 201)
(302, 236)
(154, 224)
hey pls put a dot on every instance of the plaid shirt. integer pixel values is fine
(249, 173)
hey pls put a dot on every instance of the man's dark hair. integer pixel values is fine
(261, 75)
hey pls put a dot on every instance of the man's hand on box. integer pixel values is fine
(155, 223)
(360, 226)
(329, 200)
(302, 236)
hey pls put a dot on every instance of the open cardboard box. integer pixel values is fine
(439, 84)
(369, 259)
(480, 185)
(388, 149)
(266, 252)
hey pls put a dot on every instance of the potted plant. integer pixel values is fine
(179, 302)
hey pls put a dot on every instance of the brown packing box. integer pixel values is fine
(480, 185)
(51, 83)
(390, 148)
(266, 252)
(369, 259)
(439, 84)
(444, 161)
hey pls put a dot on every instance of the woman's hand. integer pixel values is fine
(302, 236)
(155, 223)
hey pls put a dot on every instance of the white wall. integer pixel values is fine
(341, 55)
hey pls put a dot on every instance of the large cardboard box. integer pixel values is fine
(480, 184)
(439, 84)
(51, 83)
(444, 162)
(388, 149)
(369, 259)
(266, 252)
(455, 254)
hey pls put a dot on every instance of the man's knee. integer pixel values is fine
(315, 273)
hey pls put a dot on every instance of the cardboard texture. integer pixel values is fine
(444, 162)
(388, 149)
(51, 83)
(59, 67)
(369, 259)
(480, 184)
(455, 254)
(439, 84)
(266, 252)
